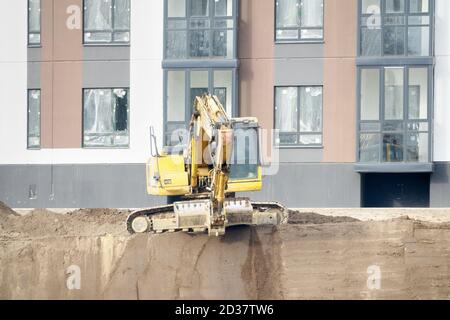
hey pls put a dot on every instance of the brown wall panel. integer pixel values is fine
(339, 111)
(68, 42)
(61, 76)
(256, 29)
(67, 99)
(256, 90)
(340, 27)
(47, 30)
(256, 52)
(340, 81)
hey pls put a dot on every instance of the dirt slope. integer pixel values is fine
(313, 257)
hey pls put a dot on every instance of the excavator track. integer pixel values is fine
(164, 219)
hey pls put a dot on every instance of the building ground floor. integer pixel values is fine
(301, 185)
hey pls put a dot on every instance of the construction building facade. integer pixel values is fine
(356, 91)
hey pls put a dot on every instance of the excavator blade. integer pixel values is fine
(197, 216)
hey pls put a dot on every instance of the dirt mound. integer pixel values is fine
(5, 210)
(98, 222)
(312, 257)
(44, 224)
(298, 217)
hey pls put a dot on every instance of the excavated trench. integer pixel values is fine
(88, 254)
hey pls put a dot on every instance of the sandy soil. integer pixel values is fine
(315, 256)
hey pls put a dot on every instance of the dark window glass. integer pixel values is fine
(299, 20)
(393, 147)
(387, 28)
(298, 115)
(34, 22)
(107, 21)
(179, 101)
(207, 31)
(105, 118)
(402, 134)
(34, 119)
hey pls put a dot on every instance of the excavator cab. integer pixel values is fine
(246, 170)
(167, 173)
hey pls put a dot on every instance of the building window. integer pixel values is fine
(299, 20)
(298, 116)
(105, 118)
(34, 22)
(34, 119)
(200, 29)
(107, 21)
(395, 28)
(182, 86)
(394, 114)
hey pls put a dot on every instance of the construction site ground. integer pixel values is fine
(319, 254)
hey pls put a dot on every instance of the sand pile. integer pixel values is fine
(5, 210)
(312, 257)
(44, 224)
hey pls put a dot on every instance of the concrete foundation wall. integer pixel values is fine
(75, 186)
(123, 186)
(312, 186)
(440, 186)
(300, 185)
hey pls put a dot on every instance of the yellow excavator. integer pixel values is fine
(221, 158)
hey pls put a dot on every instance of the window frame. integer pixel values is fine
(299, 133)
(405, 121)
(211, 18)
(29, 44)
(406, 14)
(188, 98)
(112, 31)
(83, 145)
(299, 40)
(28, 119)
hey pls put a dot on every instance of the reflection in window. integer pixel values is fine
(182, 88)
(418, 93)
(107, 21)
(417, 147)
(393, 94)
(369, 147)
(298, 115)
(402, 134)
(299, 20)
(105, 118)
(194, 30)
(34, 119)
(395, 27)
(370, 98)
(393, 147)
(34, 22)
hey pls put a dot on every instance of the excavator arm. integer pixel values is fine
(212, 129)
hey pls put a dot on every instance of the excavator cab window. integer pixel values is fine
(245, 157)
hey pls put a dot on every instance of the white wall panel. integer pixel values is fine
(13, 80)
(146, 90)
(442, 82)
